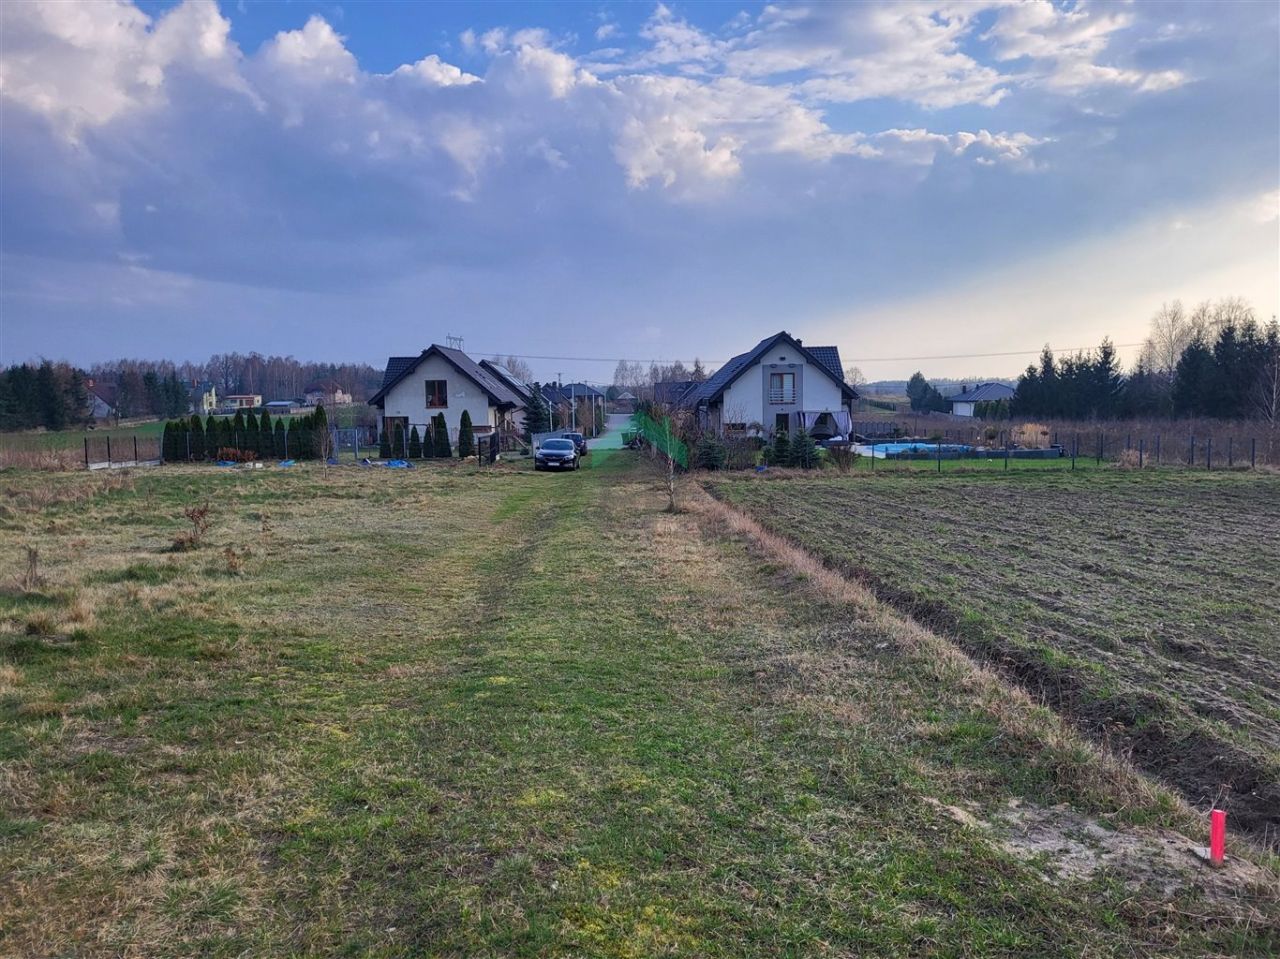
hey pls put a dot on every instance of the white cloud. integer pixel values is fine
(435, 72)
(1064, 44)
(84, 65)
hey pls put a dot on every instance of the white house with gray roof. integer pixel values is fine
(965, 402)
(444, 380)
(779, 384)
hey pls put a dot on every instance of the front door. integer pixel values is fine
(782, 422)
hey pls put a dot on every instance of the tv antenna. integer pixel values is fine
(454, 342)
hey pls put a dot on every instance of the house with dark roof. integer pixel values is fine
(571, 403)
(444, 380)
(964, 402)
(779, 384)
(102, 399)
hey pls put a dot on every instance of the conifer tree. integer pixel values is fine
(301, 425)
(211, 437)
(226, 434)
(440, 441)
(781, 449)
(281, 439)
(398, 442)
(166, 443)
(196, 433)
(428, 441)
(415, 444)
(384, 445)
(237, 430)
(266, 438)
(320, 431)
(249, 442)
(466, 436)
(804, 451)
(537, 415)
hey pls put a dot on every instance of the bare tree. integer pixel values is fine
(517, 367)
(1171, 332)
(1267, 391)
(854, 376)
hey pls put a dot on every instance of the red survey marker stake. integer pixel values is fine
(1217, 836)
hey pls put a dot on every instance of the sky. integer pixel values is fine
(927, 185)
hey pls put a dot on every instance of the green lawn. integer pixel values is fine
(466, 712)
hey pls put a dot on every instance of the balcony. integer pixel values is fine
(782, 395)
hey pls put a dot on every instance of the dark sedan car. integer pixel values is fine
(579, 441)
(556, 454)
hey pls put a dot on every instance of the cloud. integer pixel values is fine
(1064, 44)
(881, 135)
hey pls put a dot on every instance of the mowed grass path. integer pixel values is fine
(465, 713)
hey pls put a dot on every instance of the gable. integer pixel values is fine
(400, 367)
(715, 386)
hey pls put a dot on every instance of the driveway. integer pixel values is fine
(614, 423)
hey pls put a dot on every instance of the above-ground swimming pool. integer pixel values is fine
(883, 450)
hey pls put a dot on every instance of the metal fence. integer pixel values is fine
(1206, 444)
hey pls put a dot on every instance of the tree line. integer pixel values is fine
(51, 395)
(1215, 360)
(1218, 362)
(247, 436)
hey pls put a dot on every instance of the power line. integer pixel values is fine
(855, 359)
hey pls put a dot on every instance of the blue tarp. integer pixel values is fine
(285, 464)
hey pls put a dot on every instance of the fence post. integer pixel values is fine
(286, 442)
(86, 452)
(1128, 442)
(1075, 448)
(1191, 451)
(939, 456)
(1231, 442)
(1157, 449)
(1006, 457)
(108, 451)
(1208, 453)
(1142, 448)
(873, 457)
(135, 449)
(1099, 462)
(1253, 453)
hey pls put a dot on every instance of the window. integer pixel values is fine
(437, 394)
(782, 422)
(782, 387)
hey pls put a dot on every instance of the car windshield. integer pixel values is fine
(558, 445)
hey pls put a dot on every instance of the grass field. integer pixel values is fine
(501, 713)
(1144, 606)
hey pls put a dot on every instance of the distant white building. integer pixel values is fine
(964, 402)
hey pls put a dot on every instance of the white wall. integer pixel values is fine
(744, 399)
(409, 396)
(962, 409)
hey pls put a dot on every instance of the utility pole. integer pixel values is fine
(453, 342)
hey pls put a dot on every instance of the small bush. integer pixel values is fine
(199, 518)
(709, 453)
(235, 560)
(232, 454)
(31, 579)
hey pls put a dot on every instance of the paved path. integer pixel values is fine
(615, 423)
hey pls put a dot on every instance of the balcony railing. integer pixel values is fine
(784, 395)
